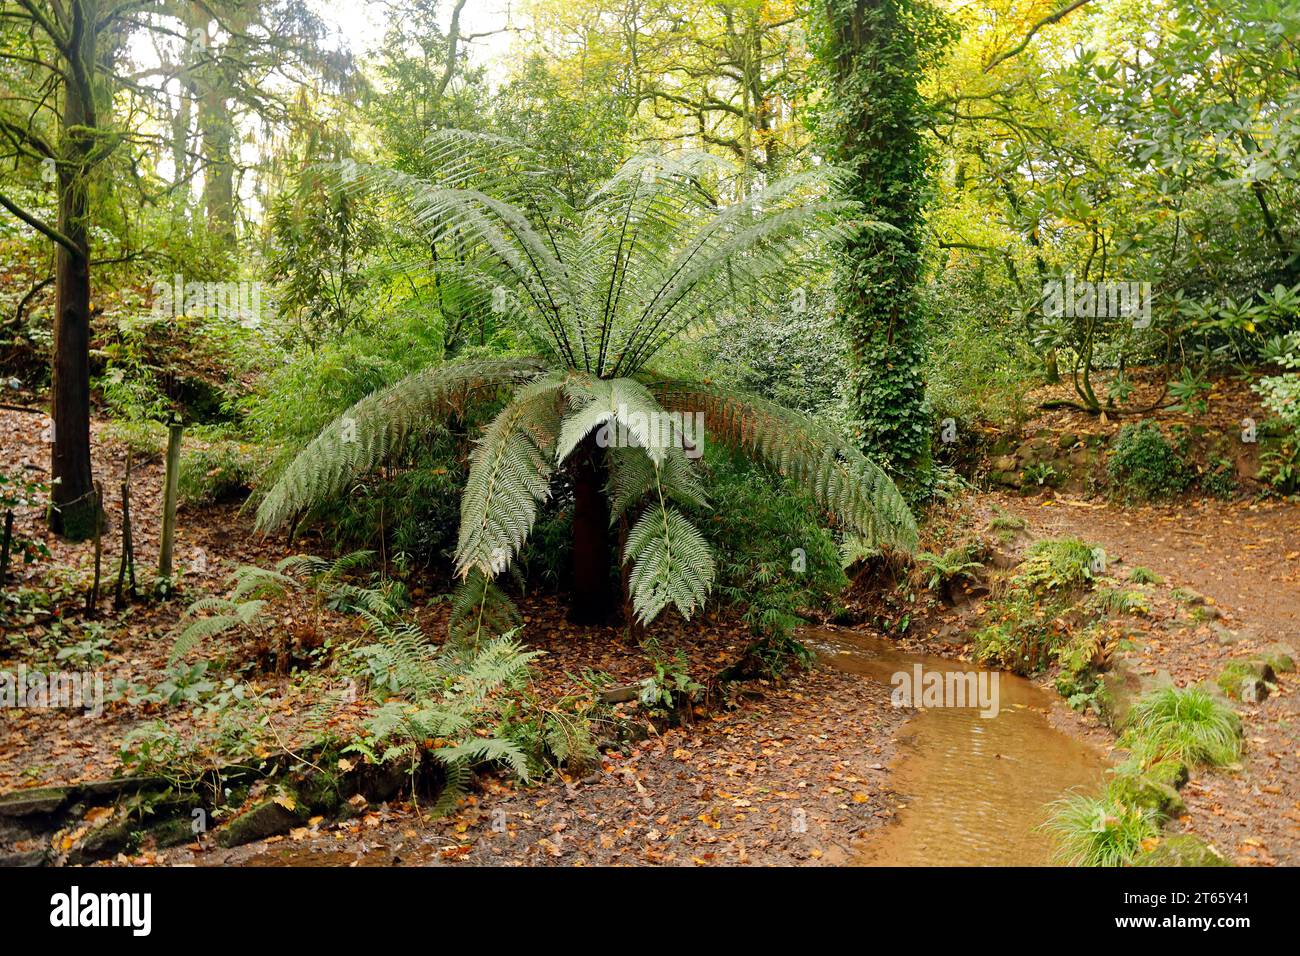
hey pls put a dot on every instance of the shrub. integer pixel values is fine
(1143, 464)
(1221, 480)
(775, 559)
(1093, 831)
(216, 471)
(1079, 661)
(1021, 636)
(1055, 564)
(1183, 724)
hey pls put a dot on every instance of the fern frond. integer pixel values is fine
(486, 750)
(671, 563)
(204, 628)
(379, 426)
(632, 476)
(509, 475)
(479, 608)
(456, 777)
(844, 481)
(624, 402)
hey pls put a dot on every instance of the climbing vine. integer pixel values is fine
(870, 53)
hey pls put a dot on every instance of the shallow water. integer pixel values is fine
(975, 788)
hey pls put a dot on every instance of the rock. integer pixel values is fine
(1067, 440)
(1181, 849)
(264, 820)
(1004, 463)
(1246, 680)
(172, 832)
(103, 842)
(1002, 561)
(25, 858)
(1007, 479)
(1225, 636)
(384, 781)
(1281, 657)
(121, 785)
(953, 634)
(1122, 685)
(40, 800)
(1142, 790)
(620, 694)
(1170, 771)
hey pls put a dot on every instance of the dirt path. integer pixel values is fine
(1245, 559)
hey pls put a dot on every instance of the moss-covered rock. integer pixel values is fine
(1144, 791)
(1170, 772)
(172, 832)
(119, 836)
(1246, 680)
(1280, 657)
(1122, 686)
(1181, 849)
(267, 819)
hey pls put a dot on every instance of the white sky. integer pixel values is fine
(362, 23)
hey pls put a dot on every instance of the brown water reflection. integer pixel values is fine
(975, 787)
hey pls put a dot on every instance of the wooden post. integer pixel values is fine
(128, 558)
(171, 483)
(92, 600)
(5, 545)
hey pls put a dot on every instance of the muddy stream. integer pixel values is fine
(974, 788)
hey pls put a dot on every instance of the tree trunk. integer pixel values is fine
(593, 593)
(873, 57)
(73, 513)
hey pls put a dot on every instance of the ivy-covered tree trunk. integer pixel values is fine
(870, 124)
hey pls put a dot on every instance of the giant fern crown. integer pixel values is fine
(600, 290)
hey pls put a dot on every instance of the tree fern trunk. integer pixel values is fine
(593, 593)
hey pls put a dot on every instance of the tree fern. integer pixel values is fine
(602, 288)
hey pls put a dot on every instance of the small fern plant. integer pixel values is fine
(600, 290)
(449, 696)
(253, 587)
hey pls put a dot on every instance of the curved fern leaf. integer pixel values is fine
(378, 426)
(843, 480)
(509, 476)
(671, 563)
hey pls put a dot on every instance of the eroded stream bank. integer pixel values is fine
(975, 788)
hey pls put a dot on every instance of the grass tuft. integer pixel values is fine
(1183, 724)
